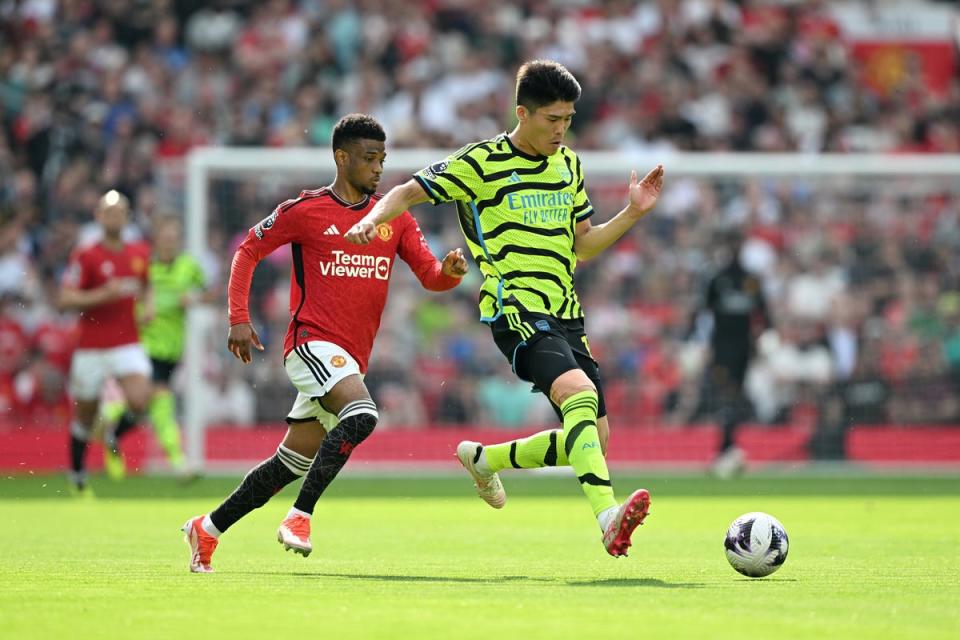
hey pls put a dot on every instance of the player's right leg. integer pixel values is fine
(329, 375)
(291, 461)
(727, 377)
(162, 411)
(87, 375)
(131, 368)
(542, 449)
(539, 350)
(81, 428)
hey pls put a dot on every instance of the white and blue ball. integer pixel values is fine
(756, 544)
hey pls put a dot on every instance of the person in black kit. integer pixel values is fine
(735, 300)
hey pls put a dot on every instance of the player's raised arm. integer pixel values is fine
(397, 200)
(592, 240)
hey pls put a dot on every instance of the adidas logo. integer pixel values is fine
(332, 231)
(514, 177)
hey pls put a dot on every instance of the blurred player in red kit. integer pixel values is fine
(103, 282)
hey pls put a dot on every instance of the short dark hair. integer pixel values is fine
(356, 126)
(543, 82)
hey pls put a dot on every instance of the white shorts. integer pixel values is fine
(315, 368)
(90, 368)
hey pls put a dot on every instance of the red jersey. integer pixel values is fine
(337, 289)
(112, 324)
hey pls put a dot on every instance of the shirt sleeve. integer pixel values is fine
(414, 250)
(455, 178)
(279, 228)
(582, 208)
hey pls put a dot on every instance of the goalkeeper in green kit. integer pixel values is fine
(176, 282)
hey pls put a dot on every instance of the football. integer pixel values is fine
(756, 544)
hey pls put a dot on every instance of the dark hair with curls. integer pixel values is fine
(356, 126)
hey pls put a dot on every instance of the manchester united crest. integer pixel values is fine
(338, 361)
(385, 231)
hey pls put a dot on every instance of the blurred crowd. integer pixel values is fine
(862, 279)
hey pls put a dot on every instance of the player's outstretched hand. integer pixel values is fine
(361, 233)
(454, 264)
(240, 338)
(644, 194)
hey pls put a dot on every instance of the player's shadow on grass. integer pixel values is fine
(402, 578)
(605, 582)
(635, 582)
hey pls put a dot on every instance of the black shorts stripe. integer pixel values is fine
(311, 364)
(306, 349)
(590, 478)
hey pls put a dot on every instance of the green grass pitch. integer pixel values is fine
(870, 557)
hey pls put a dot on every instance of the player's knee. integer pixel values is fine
(358, 420)
(566, 387)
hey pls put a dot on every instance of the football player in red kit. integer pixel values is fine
(103, 281)
(337, 295)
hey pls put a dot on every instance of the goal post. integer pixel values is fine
(314, 167)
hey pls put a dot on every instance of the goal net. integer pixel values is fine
(887, 227)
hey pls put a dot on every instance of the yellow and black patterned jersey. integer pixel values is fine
(518, 213)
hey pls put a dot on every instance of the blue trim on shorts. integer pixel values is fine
(513, 358)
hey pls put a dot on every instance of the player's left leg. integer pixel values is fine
(81, 427)
(328, 376)
(87, 375)
(291, 461)
(542, 449)
(357, 417)
(162, 411)
(131, 368)
(539, 450)
(727, 375)
(163, 416)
